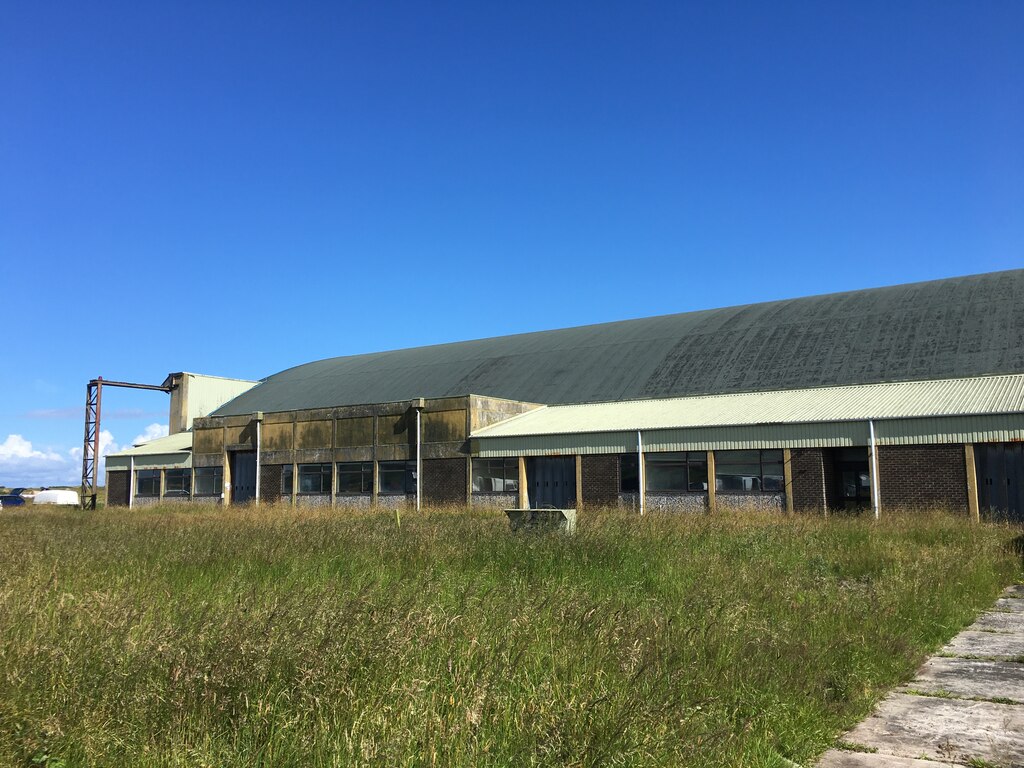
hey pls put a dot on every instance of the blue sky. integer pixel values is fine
(236, 188)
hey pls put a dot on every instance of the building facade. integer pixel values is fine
(908, 396)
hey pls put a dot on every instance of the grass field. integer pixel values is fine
(278, 637)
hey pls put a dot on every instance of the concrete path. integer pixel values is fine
(964, 708)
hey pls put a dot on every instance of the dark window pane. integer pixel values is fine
(737, 457)
(629, 474)
(698, 475)
(287, 476)
(665, 476)
(775, 456)
(773, 483)
(495, 475)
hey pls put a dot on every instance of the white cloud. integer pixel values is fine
(153, 431)
(23, 465)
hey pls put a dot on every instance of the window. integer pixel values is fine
(676, 472)
(495, 475)
(397, 476)
(287, 477)
(629, 473)
(178, 482)
(147, 482)
(749, 471)
(209, 481)
(315, 478)
(355, 477)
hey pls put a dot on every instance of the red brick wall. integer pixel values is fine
(923, 476)
(600, 480)
(444, 481)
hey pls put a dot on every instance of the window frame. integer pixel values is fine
(408, 480)
(509, 474)
(688, 460)
(322, 472)
(184, 490)
(149, 475)
(365, 472)
(217, 473)
(761, 462)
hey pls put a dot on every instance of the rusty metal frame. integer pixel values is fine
(91, 441)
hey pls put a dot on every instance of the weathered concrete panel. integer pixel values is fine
(836, 758)
(354, 454)
(1012, 604)
(999, 621)
(355, 431)
(444, 426)
(394, 453)
(393, 429)
(971, 678)
(276, 437)
(995, 645)
(208, 440)
(313, 434)
(945, 729)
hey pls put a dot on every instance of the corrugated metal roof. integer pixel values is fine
(181, 441)
(903, 400)
(965, 326)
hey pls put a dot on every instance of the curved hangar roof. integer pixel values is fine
(960, 327)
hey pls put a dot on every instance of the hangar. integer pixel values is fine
(903, 396)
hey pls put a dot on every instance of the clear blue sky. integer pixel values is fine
(236, 188)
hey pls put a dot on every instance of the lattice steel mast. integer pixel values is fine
(91, 442)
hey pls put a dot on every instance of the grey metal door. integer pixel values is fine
(243, 476)
(552, 481)
(1000, 468)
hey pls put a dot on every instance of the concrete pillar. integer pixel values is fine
(972, 483)
(579, 481)
(469, 481)
(225, 483)
(712, 493)
(163, 483)
(787, 471)
(524, 490)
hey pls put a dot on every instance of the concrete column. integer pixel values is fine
(376, 483)
(163, 484)
(334, 460)
(226, 478)
(787, 470)
(579, 481)
(972, 483)
(524, 491)
(712, 493)
(469, 481)
(295, 466)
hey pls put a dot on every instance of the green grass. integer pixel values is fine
(207, 637)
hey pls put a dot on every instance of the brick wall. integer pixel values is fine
(117, 489)
(444, 481)
(809, 493)
(923, 476)
(600, 480)
(270, 482)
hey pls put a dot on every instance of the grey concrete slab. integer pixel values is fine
(1016, 590)
(1013, 604)
(995, 645)
(836, 758)
(971, 678)
(999, 621)
(944, 730)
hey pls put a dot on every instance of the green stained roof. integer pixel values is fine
(959, 327)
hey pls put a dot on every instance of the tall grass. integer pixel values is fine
(277, 637)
